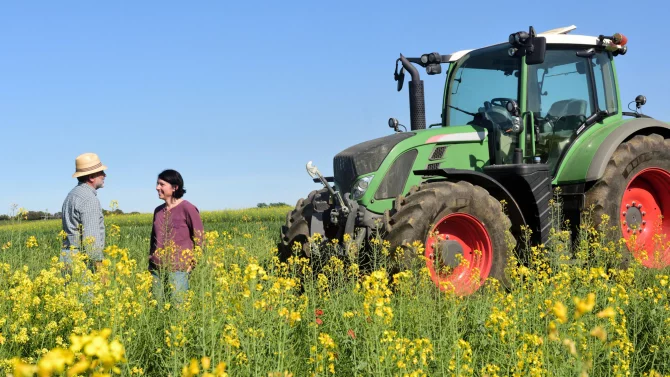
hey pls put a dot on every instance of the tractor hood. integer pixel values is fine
(378, 155)
(363, 158)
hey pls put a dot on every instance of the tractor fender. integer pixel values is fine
(494, 188)
(616, 137)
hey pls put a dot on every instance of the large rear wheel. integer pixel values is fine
(635, 193)
(464, 231)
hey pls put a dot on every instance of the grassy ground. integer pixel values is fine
(246, 314)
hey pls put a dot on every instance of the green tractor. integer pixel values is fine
(519, 119)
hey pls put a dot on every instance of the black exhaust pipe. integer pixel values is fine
(417, 105)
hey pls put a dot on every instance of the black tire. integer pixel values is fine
(627, 161)
(417, 213)
(298, 226)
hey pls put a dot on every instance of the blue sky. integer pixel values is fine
(238, 96)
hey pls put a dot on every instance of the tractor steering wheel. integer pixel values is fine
(501, 101)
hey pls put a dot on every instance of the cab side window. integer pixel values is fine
(560, 97)
(604, 78)
(564, 91)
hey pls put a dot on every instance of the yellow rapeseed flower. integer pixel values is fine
(54, 362)
(23, 370)
(606, 313)
(560, 311)
(584, 306)
(192, 370)
(206, 362)
(599, 333)
(115, 230)
(31, 242)
(294, 317)
(570, 345)
(220, 370)
(326, 341)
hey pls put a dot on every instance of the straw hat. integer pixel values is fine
(87, 163)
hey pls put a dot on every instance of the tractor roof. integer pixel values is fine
(553, 36)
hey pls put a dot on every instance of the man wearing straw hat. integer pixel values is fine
(83, 220)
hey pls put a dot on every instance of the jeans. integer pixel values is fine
(173, 284)
(66, 256)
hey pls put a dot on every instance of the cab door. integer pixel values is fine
(563, 92)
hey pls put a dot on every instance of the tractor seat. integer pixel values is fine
(564, 117)
(568, 107)
(568, 114)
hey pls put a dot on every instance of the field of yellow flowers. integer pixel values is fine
(569, 312)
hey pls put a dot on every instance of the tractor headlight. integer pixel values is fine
(360, 187)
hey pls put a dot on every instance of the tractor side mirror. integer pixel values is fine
(536, 56)
(529, 45)
(399, 77)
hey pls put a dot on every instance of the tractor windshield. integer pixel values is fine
(482, 82)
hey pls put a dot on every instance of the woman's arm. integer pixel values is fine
(195, 226)
(152, 240)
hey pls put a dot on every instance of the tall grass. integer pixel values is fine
(568, 312)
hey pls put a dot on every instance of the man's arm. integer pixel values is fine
(91, 220)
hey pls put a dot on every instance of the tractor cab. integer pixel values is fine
(538, 101)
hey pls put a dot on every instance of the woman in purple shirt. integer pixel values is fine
(177, 230)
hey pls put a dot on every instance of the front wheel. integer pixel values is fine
(463, 228)
(298, 226)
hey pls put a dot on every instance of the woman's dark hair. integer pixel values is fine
(174, 178)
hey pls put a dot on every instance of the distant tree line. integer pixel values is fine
(43, 215)
(34, 215)
(266, 205)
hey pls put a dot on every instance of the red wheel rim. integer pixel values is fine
(645, 203)
(459, 233)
